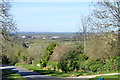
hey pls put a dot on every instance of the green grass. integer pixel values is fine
(47, 72)
(28, 66)
(108, 77)
(12, 76)
(91, 73)
(57, 73)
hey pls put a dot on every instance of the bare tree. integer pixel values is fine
(106, 15)
(84, 29)
(6, 20)
(7, 25)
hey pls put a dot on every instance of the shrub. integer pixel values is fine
(5, 60)
(95, 66)
(71, 62)
(112, 64)
(116, 63)
(52, 65)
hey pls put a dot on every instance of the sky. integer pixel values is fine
(48, 16)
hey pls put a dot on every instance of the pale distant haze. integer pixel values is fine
(49, 16)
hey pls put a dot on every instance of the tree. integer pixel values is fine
(7, 23)
(49, 51)
(60, 51)
(104, 18)
(84, 29)
(105, 15)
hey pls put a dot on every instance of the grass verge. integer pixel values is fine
(12, 76)
(47, 72)
(108, 77)
(57, 73)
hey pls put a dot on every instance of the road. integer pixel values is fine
(29, 75)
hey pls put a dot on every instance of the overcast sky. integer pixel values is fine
(32, 16)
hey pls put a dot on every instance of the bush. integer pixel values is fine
(116, 63)
(71, 62)
(112, 64)
(5, 60)
(53, 65)
(95, 66)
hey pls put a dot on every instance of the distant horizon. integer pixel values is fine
(43, 32)
(47, 32)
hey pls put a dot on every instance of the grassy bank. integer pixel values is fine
(109, 77)
(12, 76)
(57, 73)
(46, 72)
